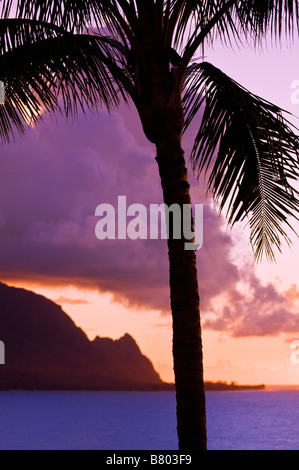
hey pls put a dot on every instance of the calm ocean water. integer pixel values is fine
(144, 421)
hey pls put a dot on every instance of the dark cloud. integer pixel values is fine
(52, 180)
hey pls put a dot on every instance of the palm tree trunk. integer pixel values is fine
(187, 341)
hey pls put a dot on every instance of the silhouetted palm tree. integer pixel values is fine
(144, 50)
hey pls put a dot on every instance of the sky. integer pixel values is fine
(53, 178)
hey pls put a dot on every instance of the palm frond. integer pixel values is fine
(117, 17)
(276, 17)
(69, 14)
(250, 152)
(206, 18)
(78, 15)
(200, 22)
(40, 62)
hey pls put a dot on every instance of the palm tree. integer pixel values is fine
(144, 50)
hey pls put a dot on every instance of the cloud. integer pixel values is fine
(261, 311)
(292, 293)
(52, 180)
(66, 300)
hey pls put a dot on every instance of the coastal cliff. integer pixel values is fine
(45, 350)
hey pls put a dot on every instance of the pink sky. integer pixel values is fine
(53, 178)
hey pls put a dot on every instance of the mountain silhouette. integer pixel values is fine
(45, 350)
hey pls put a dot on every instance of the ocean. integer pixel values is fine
(243, 420)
